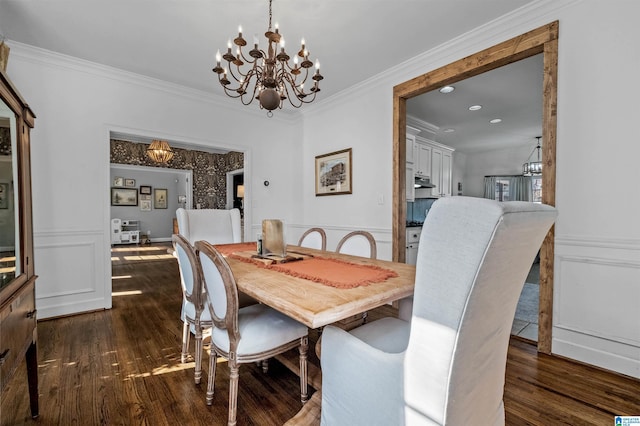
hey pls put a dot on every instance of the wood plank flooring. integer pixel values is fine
(122, 367)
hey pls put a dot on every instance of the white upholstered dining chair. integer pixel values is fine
(217, 227)
(447, 365)
(195, 318)
(214, 225)
(358, 243)
(243, 335)
(314, 238)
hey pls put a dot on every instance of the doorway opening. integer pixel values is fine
(541, 40)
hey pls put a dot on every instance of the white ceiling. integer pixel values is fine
(512, 93)
(176, 41)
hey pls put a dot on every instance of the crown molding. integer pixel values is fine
(512, 24)
(48, 58)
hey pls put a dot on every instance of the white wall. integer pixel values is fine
(77, 104)
(597, 276)
(507, 161)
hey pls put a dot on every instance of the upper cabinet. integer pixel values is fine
(441, 170)
(422, 157)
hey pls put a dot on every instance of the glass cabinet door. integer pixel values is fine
(10, 260)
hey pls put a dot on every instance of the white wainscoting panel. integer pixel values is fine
(72, 273)
(591, 321)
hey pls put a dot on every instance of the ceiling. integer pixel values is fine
(176, 41)
(512, 93)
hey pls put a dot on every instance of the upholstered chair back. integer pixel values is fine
(212, 225)
(473, 258)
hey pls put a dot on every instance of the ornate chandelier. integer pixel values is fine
(160, 151)
(269, 79)
(533, 167)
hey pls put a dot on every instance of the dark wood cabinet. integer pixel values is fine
(18, 327)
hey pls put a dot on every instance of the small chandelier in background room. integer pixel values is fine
(531, 168)
(269, 78)
(160, 151)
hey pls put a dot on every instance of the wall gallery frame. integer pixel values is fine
(333, 173)
(129, 182)
(144, 189)
(159, 198)
(124, 197)
(4, 195)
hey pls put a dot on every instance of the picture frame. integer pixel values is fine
(145, 189)
(124, 197)
(129, 182)
(118, 181)
(159, 198)
(4, 195)
(333, 173)
(145, 205)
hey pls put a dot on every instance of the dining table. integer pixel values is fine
(304, 296)
(317, 288)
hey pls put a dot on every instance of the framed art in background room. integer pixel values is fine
(124, 197)
(333, 173)
(159, 198)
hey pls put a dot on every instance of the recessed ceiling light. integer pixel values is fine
(449, 130)
(475, 107)
(447, 89)
(495, 120)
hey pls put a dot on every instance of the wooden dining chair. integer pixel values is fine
(242, 335)
(358, 243)
(194, 317)
(314, 238)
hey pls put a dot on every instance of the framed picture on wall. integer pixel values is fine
(124, 197)
(145, 190)
(129, 182)
(159, 198)
(119, 181)
(4, 195)
(333, 173)
(145, 205)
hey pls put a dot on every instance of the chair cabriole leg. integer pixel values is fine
(213, 362)
(304, 347)
(185, 342)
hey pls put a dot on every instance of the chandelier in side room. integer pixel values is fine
(531, 168)
(160, 151)
(268, 78)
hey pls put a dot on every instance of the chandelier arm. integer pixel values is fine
(244, 76)
(293, 83)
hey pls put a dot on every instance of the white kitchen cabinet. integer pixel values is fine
(410, 148)
(422, 159)
(411, 190)
(441, 170)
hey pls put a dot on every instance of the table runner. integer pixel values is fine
(332, 272)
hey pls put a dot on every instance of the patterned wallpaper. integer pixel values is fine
(209, 170)
(5, 141)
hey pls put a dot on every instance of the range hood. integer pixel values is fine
(422, 182)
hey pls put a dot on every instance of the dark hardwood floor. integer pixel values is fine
(122, 367)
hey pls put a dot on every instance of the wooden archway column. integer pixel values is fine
(541, 40)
